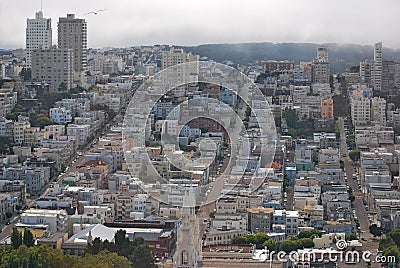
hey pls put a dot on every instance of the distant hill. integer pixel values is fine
(341, 56)
(5, 52)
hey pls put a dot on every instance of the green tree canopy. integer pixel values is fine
(28, 239)
(122, 244)
(352, 236)
(270, 245)
(395, 236)
(309, 234)
(375, 230)
(142, 257)
(16, 238)
(290, 245)
(354, 155)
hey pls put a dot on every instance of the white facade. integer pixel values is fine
(60, 115)
(376, 74)
(360, 110)
(170, 127)
(229, 222)
(8, 99)
(292, 222)
(38, 35)
(56, 220)
(81, 132)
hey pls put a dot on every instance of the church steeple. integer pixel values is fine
(188, 247)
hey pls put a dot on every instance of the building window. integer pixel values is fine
(185, 257)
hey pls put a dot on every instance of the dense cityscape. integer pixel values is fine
(274, 163)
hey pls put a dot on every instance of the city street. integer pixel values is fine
(369, 242)
(79, 160)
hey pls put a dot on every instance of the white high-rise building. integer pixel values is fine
(360, 110)
(38, 35)
(376, 72)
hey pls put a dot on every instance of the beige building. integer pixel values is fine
(55, 131)
(19, 129)
(321, 66)
(378, 110)
(53, 66)
(72, 34)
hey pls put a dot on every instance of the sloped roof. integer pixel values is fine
(98, 230)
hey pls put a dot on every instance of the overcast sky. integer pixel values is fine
(191, 22)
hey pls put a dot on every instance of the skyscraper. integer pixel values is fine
(72, 34)
(376, 74)
(38, 35)
(321, 67)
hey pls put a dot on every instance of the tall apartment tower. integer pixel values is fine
(376, 74)
(72, 34)
(176, 56)
(53, 66)
(378, 110)
(322, 53)
(366, 68)
(321, 67)
(38, 35)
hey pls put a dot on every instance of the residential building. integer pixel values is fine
(260, 219)
(327, 108)
(366, 68)
(8, 100)
(55, 131)
(360, 110)
(54, 220)
(81, 132)
(321, 66)
(38, 35)
(388, 75)
(376, 74)
(72, 34)
(60, 116)
(6, 128)
(270, 66)
(19, 129)
(176, 56)
(53, 66)
(378, 110)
